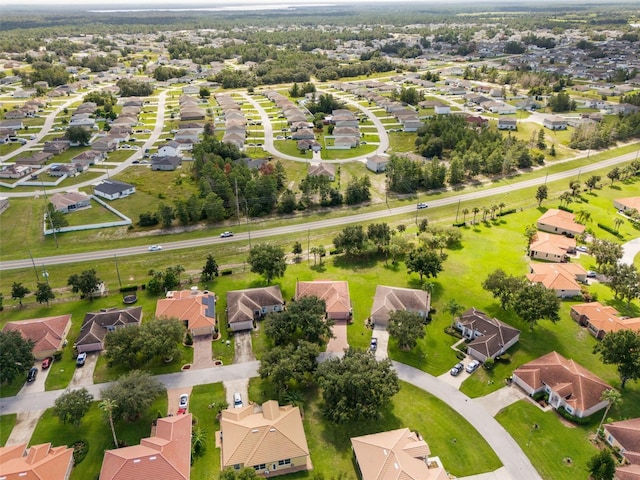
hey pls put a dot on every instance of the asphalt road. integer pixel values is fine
(304, 227)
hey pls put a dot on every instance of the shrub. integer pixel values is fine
(507, 212)
(226, 272)
(134, 288)
(541, 396)
(461, 355)
(188, 339)
(57, 356)
(566, 209)
(80, 450)
(460, 224)
(488, 364)
(504, 358)
(572, 418)
(612, 231)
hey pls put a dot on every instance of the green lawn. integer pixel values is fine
(94, 430)
(6, 425)
(96, 214)
(11, 389)
(207, 467)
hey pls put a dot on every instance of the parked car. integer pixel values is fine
(33, 373)
(155, 248)
(81, 359)
(581, 248)
(457, 368)
(374, 344)
(422, 205)
(237, 400)
(46, 363)
(592, 274)
(184, 401)
(226, 234)
(473, 366)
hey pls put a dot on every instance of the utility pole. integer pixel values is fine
(458, 211)
(34, 265)
(115, 258)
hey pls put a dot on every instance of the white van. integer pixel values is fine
(237, 400)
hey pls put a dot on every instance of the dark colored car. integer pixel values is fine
(33, 373)
(457, 368)
(46, 363)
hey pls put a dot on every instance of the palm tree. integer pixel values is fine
(566, 197)
(494, 208)
(501, 205)
(617, 222)
(612, 396)
(108, 406)
(583, 216)
(485, 212)
(465, 212)
(453, 308)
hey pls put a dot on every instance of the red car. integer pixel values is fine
(46, 363)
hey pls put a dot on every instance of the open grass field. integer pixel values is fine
(6, 425)
(95, 431)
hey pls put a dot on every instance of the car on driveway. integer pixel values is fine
(581, 248)
(473, 366)
(155, 248)
(457, 368)
(81, 359)
(33, 373)
(592, 274)
(226, 234)
(184, 401)
(46, 363)
(237, 400)
(422, 205)
(374, 344)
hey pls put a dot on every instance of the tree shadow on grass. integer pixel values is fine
(614, 187)
(627, 309)
(356, 262)
(394, 267)
(319, 268)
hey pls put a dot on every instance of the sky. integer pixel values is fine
(204, 3)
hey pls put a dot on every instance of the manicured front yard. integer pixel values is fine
(207, 466)
(6, 425)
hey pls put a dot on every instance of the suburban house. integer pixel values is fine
(568, 384)
(15, 171)
(37, 462)
(195, 308)
(507, 123)
(559, 221)
(553, 248)
(113, 189)
(166, 164)
(48, 334)
(553, 122)
(600, 319)
(167, 454)
(271, 441)
(391, 299)
(377, 163)
(170, 149)
(244, 307)
(335, 295)
(489, 337)
(96, 325)
(624, 436)
(627, 204)
(325, 169)
(106, 144)
(562, 278)
(68, 202)
(89, 157)
(396, 454)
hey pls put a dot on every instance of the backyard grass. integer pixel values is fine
(87, 216)
(207, 466)
(94, 430)
(6, 425)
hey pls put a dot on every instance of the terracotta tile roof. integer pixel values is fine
(627, 434)
(391, 299)
(251, 438)
(560, 219)
(395, 455)
(494, 334)
(40, 462)
(241, 304)
(165, 456)
(557, 276)
(571, 378)
(630, 202)
(605, 318)
(46, 333)
(335, 294)
(198, 308)
(552, 244)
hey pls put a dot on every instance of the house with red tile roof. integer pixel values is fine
(600, 319)
(244, 307)
(166, 455)
(563, 278)
(196, 308)
(625, 437)
(334, 293)
(391, 299)
(40, 462)
(627, 204)
(568, 384)
(272, 441)
(489, 337)
(552, 248)
(396, 455)
(560, 222)
(48, 334)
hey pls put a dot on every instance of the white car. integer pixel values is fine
(473, 366)
(155, 248)
(184, 400)
(582, 248)
(226, 234)
(422, 205)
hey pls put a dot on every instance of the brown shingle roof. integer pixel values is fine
(96, 324)
(46, 333)
(241, 304)
(391, 299)
(627, 434)
(494, 334)
(605, 318)
(560, 219)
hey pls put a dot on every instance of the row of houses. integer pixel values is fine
(235, 121)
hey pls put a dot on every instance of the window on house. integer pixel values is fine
(262, 466)
(284, 462)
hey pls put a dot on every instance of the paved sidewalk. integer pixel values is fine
(630, 250)
(25, 425)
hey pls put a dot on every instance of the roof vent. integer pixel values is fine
(272, 429)
(137, 460)
(255, 430)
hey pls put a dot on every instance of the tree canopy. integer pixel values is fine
(356, 386)
(290, 366)
(267, 260)
(16, 355)
(622, 349)
(86, 283)
(133, 393)
(71, 406)
(302, 320)
(534, 302)
(407, 328)
(424, 261)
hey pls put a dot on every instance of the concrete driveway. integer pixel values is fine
(382, 335)
(339, 342)
(243, 347)
(173, 396)
(38, 384)
(83, 376)
(25, 425)
(202, 353)
(496, 401)
(241, 386)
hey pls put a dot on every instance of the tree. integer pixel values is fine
(297, 250)
(624, 280)
(108, 406)
(617, 222)
(78, 135)
(612, 397)
(165, 215)
(531, 232)
(19, 291)
(533, 302)
(289, 367)
(424, 262)
(379, 234)
(44, 293)
(605, 252)
(55, 218)
(352, 240)
(317, 251)
(133, 393)
(602, 466)
(71, 406)
(16, 355)
(86, 283)
(575, 186)
(356, 386)
(453, 308)
(566, 197)
(406, 327)
(621, 348)
(210, 269)
(502, 286)
(542, 194)
(614, 174)
(204, 92)
(268, 261)
(592, 182)
(541, 141)
(302, 320)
